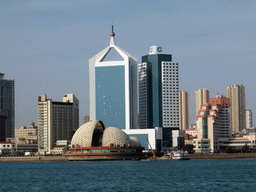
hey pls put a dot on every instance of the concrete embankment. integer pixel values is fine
(222, 156)
(191, 156)
(32, 159)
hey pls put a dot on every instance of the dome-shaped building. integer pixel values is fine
(88, 135)
(114, 137)
(93, 142)
(135, 141)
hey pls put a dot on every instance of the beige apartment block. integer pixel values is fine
(202, 97)
(26, 131)
(56, 121)
(236, 93)
(27, 134)
(183, 110)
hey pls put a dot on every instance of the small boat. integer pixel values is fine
(180, 155)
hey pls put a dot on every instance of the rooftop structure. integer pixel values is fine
(1, 75)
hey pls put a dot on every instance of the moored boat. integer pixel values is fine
(180, 155)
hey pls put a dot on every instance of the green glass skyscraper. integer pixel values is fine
(159, 93)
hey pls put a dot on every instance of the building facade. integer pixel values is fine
(113, 88)
(239, 142)
(236, 93)
(26, 134)
(248, 116)
(191, 132)
(7, 148)
(2, 128)
(213, 122)
(159, 93)
(202, 97)
(183, 110)
(56, 121)
(6, 108)
(26, 131)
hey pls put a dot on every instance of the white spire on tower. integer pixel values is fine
(112, 35)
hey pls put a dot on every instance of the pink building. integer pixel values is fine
(213, 122)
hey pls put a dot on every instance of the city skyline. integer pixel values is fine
(47, 42)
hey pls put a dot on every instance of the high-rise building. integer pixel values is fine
(249, 122)
(213, 122)
(158, 90)
(202, 97)
(183, 110)
(113, 88)
(159, 93)
(56, 121)
(6, 108)
(236, 93)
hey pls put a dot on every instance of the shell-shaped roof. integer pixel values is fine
(84, 135)
(135, 141)
(113, 136)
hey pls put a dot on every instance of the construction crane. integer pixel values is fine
(154, 155)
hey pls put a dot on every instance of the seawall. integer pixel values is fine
(222, 156)
(32, 159)
(191, 156)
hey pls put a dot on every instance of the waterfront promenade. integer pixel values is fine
(191, 156)
(222, 156)
(32, 159)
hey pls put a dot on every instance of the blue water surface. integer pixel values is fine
(193, 175)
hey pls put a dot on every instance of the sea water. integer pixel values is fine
(192, 175)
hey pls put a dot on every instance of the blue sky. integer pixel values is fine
(45, 45)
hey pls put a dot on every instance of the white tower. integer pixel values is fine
(113, 88)
(248, 115)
